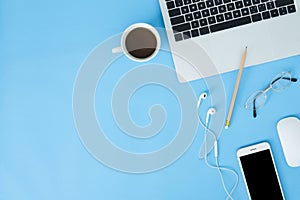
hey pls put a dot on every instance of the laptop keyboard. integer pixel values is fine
(193, 18)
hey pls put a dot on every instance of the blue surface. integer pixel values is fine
(41, 156)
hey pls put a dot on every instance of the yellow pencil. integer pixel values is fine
(236, 88)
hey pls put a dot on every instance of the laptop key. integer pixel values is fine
(178, 37)
(189, 17)
(203, 22)
(280, 3)
(197, 15)
(174, 12)
(253, 9)
(212, 20)
(170, 5)
(185, 10)
(204, 30)
(220, 18)
(205, 13)
(247, 2)
(222, 9)
(274, 13)
(291, 9)
(187, 2)
(266, 15)
(214, 11)
(218, 2)
(239, 4)
(261, 7)
(193, 7)
(182, 27)
(209, 3)
(201, 5)
(255, 1)
(270, 5)
(256, 17)
(226, 1)
(245, 11)
(178, 3)
(177, 20)
(195, 33)
(230, 6)
(187, 35)
(228, 16)
(282, 11)
(236, 13)
(230, 24)
(195, 24)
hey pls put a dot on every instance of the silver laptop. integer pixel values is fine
(208, 37)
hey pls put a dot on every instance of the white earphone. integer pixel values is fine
(201, 97)
(211, 111)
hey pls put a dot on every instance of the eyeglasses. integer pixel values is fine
(279, 83)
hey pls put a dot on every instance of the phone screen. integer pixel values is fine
(260, 175)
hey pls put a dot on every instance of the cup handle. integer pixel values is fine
(117, 50)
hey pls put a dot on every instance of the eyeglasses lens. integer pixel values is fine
(281, 81)
(256, 100)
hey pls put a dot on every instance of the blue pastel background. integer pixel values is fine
(43, 44)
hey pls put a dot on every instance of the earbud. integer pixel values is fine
(212, 111)
(201, 97)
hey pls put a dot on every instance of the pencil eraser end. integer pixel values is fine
(227, 124)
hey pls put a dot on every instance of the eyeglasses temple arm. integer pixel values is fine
(285, 78)
(254, 109)
(294, 79)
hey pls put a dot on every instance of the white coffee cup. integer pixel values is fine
(140, 42)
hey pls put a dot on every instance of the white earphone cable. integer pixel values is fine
(217, 166)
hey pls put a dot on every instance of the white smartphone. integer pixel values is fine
(259, 172)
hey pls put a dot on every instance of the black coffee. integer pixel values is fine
(141, 43)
